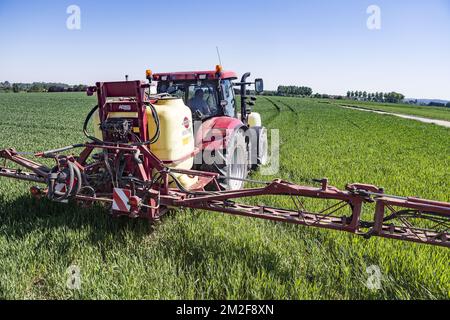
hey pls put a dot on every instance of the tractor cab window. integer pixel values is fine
(228, 95)
(174, 89)
(203, 98)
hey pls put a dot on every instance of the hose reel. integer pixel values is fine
(64, 181)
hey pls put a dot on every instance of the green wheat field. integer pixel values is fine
(203, 255)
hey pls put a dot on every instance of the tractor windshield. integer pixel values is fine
(201, 97)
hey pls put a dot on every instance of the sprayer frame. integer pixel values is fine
(153, 188)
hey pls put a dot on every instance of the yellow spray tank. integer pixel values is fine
(175, 146)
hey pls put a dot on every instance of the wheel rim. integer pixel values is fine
(264, 154)
(237, 170)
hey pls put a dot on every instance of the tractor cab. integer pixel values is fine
(207, 93)
(229, 144)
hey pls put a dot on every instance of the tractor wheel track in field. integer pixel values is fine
(277, 106)
(274, 104)
(276, 115)
(288, 106)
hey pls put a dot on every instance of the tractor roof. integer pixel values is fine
(194, 75)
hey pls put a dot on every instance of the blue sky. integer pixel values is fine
(324, 44)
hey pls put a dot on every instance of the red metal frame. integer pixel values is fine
(155, 190)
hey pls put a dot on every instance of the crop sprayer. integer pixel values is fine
(147, 156)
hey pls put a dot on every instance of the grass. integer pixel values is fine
(439, 113)
(202, 255)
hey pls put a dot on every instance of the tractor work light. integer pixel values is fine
(163, 78)
(202, 76)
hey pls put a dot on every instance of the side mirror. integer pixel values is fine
(259, 85)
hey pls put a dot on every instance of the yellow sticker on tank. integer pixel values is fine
(186, 140)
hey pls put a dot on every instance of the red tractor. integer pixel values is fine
(231, 139)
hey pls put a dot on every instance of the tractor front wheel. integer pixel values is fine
(231, 163)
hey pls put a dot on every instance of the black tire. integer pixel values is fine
(233, 162)
(259, 147)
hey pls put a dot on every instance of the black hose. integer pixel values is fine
(157, 124)
(55, 195)
(79, 183)
(193, 193)
(86, 122)
(72, 188)
(108, 167)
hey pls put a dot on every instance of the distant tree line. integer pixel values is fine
(76, 88)
(294, 91)
(40, 87)
(269, 93)
(438, 104)
(327, 96)
(390, 97)
(299, 91)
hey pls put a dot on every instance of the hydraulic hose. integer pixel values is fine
(73, 187)
(157, 125)
(86, 122)
(79, 182)
(53, 194)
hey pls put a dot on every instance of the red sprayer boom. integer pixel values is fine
(121, 170)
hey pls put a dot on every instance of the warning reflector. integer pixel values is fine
(121, 197)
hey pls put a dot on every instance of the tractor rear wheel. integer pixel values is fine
(259, 147)
(232, 162)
